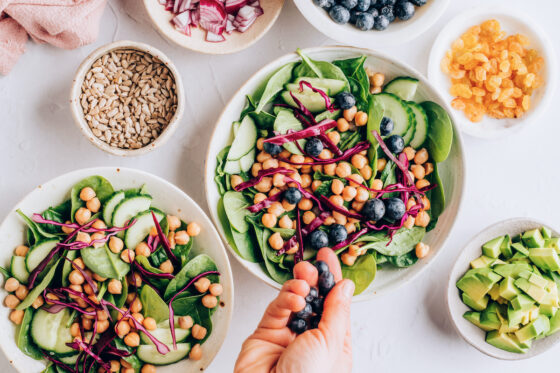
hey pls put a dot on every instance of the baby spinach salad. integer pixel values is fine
(108, 282)
(318, 161)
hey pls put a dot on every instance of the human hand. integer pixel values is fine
(274, 348)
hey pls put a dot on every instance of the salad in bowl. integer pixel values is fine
(326, 154)
(107, 281)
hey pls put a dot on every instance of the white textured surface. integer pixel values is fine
(401, 332)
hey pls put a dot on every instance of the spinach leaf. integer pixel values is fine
(325, 188)
(51, 368)
(202, 316)
(286, 233)
(380, 258)
(4, 272)
(440, 134)
(263, 119)
(152, 305)
(375, 115)
(199, 264)
(67, 266)
(102, 187)
(185, 306)
(221, 177)
(354, 70)
(240, 242)
(38, 289)
(159, 256)
(23, 339)
(403, 241)
(361, 273)
(403, 261)
(104, 262)
(160, 283)
(34, 234)
(389, 176)
(274, 271)
(436, 195)
(235, 206)
(350, 140)
(132, 359)
(274, 85)
(319, 69)
(52, 214)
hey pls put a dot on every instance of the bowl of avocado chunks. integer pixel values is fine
(503, 290)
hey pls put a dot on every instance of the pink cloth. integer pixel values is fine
(65, 24)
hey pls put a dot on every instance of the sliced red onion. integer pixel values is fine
(212, 16)
(260, 176)
(233, 6)
(214, 38)
(312, 131)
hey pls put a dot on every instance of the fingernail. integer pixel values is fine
(348, 289)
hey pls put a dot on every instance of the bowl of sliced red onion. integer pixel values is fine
(213, 26)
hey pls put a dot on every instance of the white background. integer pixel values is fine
(408, 330)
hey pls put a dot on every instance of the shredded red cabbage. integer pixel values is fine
(305, 193)
(265, 203)
(63, 292)
(328, 104)
(87, 277)
(78, 344)
(149, 274)
(165, 242)
(341, 209)
(353, 237)
(37, 218)
(57, 362)
(260, 176)
(390, 155)
(314, 130)
(364, 145)
(315, 223)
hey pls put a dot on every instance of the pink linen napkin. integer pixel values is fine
(65, 24)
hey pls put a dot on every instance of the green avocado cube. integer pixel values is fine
(511, 269)
(489, 318)
(546, 232)
(515, 317)
(540, 325)
(477, 282)
(505, 248)
(474, 317)
(547, 310)
(554, 324)
(508, 290)
(519, 248)
(545, 258)
(505, 341)
(494, 293)
(533, 239)
(522, 302)
(482, 261)
(492, 247)
(538, 280)
(553, 242)
(478, 305)
(535, 292)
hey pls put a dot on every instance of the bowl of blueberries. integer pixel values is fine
(368, 23)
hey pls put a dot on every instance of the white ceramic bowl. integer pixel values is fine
(452, 170)
(167, 197)
(235, 42)
(76, 90)
(471, 333)
(512, 22)
(397, 33)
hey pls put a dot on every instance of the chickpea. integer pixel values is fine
(348, 259)
(426, 203)
(87, 289)
(87, 324)
(421, 156)
(355, 250)
(308, 217)
(418, 171)
(316, 184)
(166, 267)
(375, 90)
(422, 219)
(410, 203)
(16, 316)
(115, 366)
(329, 169)
(130, 297)
(202, 284)
(356, 180)
(329, 221)
(138, 317)
(259, 197)
(11, 284)
(93, 205)
(276, 241)
(269, 220)
(115, 244)
(349, 114)
(276, 209)
(337, 200)
(216, 289)
(270, 163)
(378, 79)
(98, 236)
(296, 176)
(306, 181)
(99, 224)
(21, 292)
(350, 227)
(326, 154)
(235, 180)
(381, 163)
(142, 249)
(127, 256)
(87, 194)
(198, 331)
(11, 301)
(429, 167)
(359, 161)
(422, 183)
(278, 180)
(285, 154)
(409, 152)
(186, 322)
(82, 215)
(122, 328)
(67, 230)
(349, 193)
(83, 237)
(263, 156)
(337, 186)
(125, 364)
(362, 195)
(361, 119)
(209, 301)
(149, 323)
(102, 326)
(114, 286)
(264, 185)
(366, 172)
(317, 168)
(305, 204)
(409, 222)
(342, 125)
(134, 280)
(260, 143)
(136, 306)
(421, 250)
(339, 218)
(287, 206)
(358, 206)
(132, 339)
(102, 315)
(75, 330)
(377, 184)
(285, 222)
(343, 169)
(334, 136)
(148, 368)
(171, 239)
(76, 278)
(181, 238)
(196, 352)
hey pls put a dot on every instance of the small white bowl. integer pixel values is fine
(452, 170)
(471, 333)
(398, 32)
(512, 22)
(168, 198)
(235, 42)
(76, 90)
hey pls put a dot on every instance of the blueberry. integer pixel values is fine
(364, 21)
(395, 208)
(339, 14)
(387, 11)
(313, 147)
(317, 305)
(318, 239)
(373, 3)
(348, 4)
(363, 5)
(298, 326)
(322, 267)
(345, 100)
(313, 293)
(404, 10)
(306, 312)
(395, 143)
(381, 23)
(272, 149)
(323, 3)
(381, 3)
(374, 12)
(315, 320)
(374, 209)
(292, 195)
(353, 16)
(386, 126)
(338, 233)
(326, 283)
(418, 2)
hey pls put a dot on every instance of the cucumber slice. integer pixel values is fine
(39, 252)
(334, 115)
(236, 128)
(412, 129)
(163, 334)
(244, 140)
(246, 162)
(69, 360)
(149, 354)
(404, 87)
(421, 125)
(334, 86)
(140, 230)
(49, 331)
(285, 121)
(232, 167)
(19, 269)
(235, 206)
(128, 208)
(110, 205)
(313, 101)
(294, 87)
(398, 111)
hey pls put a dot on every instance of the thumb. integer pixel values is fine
(335, 320)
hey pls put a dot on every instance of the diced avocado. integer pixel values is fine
(535, 292)
(520, 248)
(504, 341)
(489, 317)
(477, 282)
(481, 262)
(554, 323)
(492, 247)
(511, 269)
(535, 328)
(507, 288)
(522, 302)
(506, 250)
(545, 258)
(533, 238)
(494, 293)
(547, 310)
(546, 232)
(516, 317)
(474, 317)
(505, 328)
(479, 305)
(497, 262)
(534, 278)
(551, 299)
